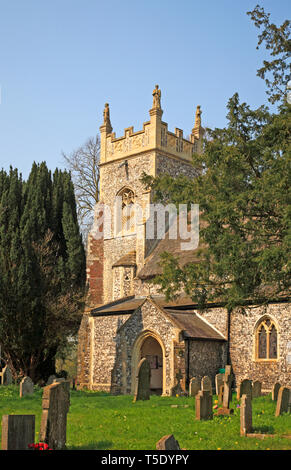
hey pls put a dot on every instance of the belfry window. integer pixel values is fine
(125, 216)
(266, 340)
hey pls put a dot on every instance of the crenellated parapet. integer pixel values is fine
(154, 136)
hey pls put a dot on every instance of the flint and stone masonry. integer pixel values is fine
(126, 318)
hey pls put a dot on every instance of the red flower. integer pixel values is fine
(39, 446)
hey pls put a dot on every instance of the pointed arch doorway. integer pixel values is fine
(148, 345)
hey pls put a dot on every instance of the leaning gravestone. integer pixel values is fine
(219, 379)
(206, 384)
(55, 406)
(275, 391)
(26, 387)
(142, 391)
(245, 388)
(282, 401)
(168, 443)
(257, 389)
(245, 415)
(203, 405)
(194, 386)
(17, 431)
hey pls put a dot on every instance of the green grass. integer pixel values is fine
(100, 421)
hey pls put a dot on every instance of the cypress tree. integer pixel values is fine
(42, 269)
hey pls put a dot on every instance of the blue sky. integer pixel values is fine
(61, 60)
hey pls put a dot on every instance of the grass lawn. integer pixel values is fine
(100, 421)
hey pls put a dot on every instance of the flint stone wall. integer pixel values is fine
(242, 346)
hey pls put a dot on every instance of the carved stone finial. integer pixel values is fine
(198, 130)
(157, 98)
(106, 118)
(198, 117)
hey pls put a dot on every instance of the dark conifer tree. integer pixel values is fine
(42, 269)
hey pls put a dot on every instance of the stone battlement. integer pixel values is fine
(154, 136)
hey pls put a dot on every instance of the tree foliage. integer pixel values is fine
(275, 72)
(42, 268)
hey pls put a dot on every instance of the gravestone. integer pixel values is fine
(26, 387)
(257, 389)
(142, 391)
(51, 379)
(282, 401)
(227, 387)
(226, 393)
(194, 386)
(275, 391)
(168, 443)
(220, 394)
(203, 405)
(59, 379)
(219, 379)
(6, 376)
(55, 406)
(177, 389)
(206, 384)
(17, 432)
(245, 415)
(245, 388)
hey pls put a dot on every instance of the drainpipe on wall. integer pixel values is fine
(188, 365)
(229, 311)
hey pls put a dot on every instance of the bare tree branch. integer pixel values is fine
(83, 164)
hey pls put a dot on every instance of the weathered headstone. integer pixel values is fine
(59, 379)
(227, 387)
(245, 415)
(51, 379)
(194, 386)
(257, 389)
(219, 379)
(282, 401)
(17, 431)
(245, 388)
(26, 387)
(168, 443)
(206, 384)
(220, 395)
(6, 376)
(203, 405)
(143, 379)
(275, 391)
(226, 393)
(55, 406)
(177, 389)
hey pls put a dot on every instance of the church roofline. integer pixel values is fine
(181, 305)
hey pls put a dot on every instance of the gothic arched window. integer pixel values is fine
(266, 340)
(125, 216)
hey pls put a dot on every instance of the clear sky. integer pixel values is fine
(61, 60)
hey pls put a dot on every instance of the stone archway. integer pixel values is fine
(149, 345)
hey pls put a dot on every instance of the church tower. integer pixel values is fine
(114, 261)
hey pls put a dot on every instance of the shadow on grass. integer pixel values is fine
(100, 445)
(263, 430)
